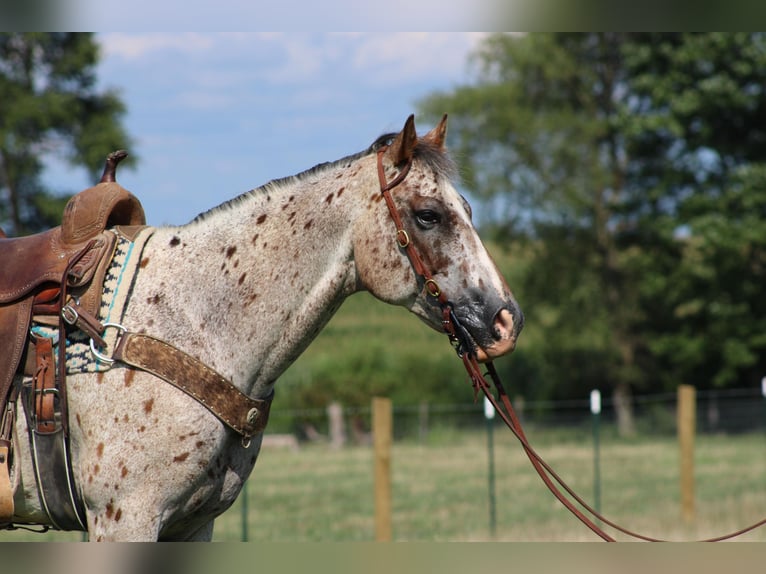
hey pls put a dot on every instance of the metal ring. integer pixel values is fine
(99, 356)
(402, 238)
(435, 292)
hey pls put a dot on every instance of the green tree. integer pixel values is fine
(698, 150)
(630, 168)
(50, 105)
(537, 132)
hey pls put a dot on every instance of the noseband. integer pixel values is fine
(465, 348)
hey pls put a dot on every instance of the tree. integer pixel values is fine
(50, 105)
(537, 132)
(699, 149)
(630, 166)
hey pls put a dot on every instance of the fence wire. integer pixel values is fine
(717, 411)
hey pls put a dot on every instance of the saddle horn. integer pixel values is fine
(110, 167)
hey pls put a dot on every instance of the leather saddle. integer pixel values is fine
(39, 273)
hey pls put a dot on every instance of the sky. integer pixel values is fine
(213, 115)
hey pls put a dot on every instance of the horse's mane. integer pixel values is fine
(430, 154)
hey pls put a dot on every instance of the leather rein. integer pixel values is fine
(465, 348)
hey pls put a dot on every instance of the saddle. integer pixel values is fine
(39, 275)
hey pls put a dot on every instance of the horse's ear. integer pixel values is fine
(401, 148)
(437, 135)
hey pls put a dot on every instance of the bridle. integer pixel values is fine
(464, 346)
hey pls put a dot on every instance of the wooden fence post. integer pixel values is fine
(686, 431)
(337, 425)
(382, 431)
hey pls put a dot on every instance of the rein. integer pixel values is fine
(464, 346)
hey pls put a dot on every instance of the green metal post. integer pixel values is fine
(243, 496)
(489, 415)
(595, 409)
(763, 393)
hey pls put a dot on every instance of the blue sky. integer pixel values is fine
(213, 115)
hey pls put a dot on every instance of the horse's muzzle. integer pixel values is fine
(494, 329)
(504, 331)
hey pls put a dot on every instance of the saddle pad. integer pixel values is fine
(117, 286)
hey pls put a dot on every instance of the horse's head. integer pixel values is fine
(436, 220)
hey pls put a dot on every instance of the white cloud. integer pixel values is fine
(406, 56)
(294, 58)
(299, 57)
(137, 46)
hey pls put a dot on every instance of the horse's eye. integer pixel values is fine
(427, 218)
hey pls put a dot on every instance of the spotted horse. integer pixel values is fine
(168, 385)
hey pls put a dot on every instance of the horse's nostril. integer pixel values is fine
(503, 325)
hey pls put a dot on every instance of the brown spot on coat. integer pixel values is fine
(181, 457)
(129, 376)
(328, 199)
(308, 224)
(124, 471)
(260, 219)
(118, 515)
(148, 405)
(230, 251)
(100, 450)
(144, 262)
(242, 278)
(175, 240)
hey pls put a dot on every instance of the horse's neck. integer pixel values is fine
(249, 286)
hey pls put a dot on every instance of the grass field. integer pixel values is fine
(440, 490)
(318, 494)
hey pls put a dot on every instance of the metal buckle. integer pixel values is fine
(99, 356)
(69, 315)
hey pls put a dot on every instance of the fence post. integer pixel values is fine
(595, 409)
(422, 421)
(489, 415)
(763, 394)
(382, 431)
(337, 425)
(244, 512)
(686, 432)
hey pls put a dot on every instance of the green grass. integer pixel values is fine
(318, 494)
(440, 491)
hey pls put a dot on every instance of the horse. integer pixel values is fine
(244, 288)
